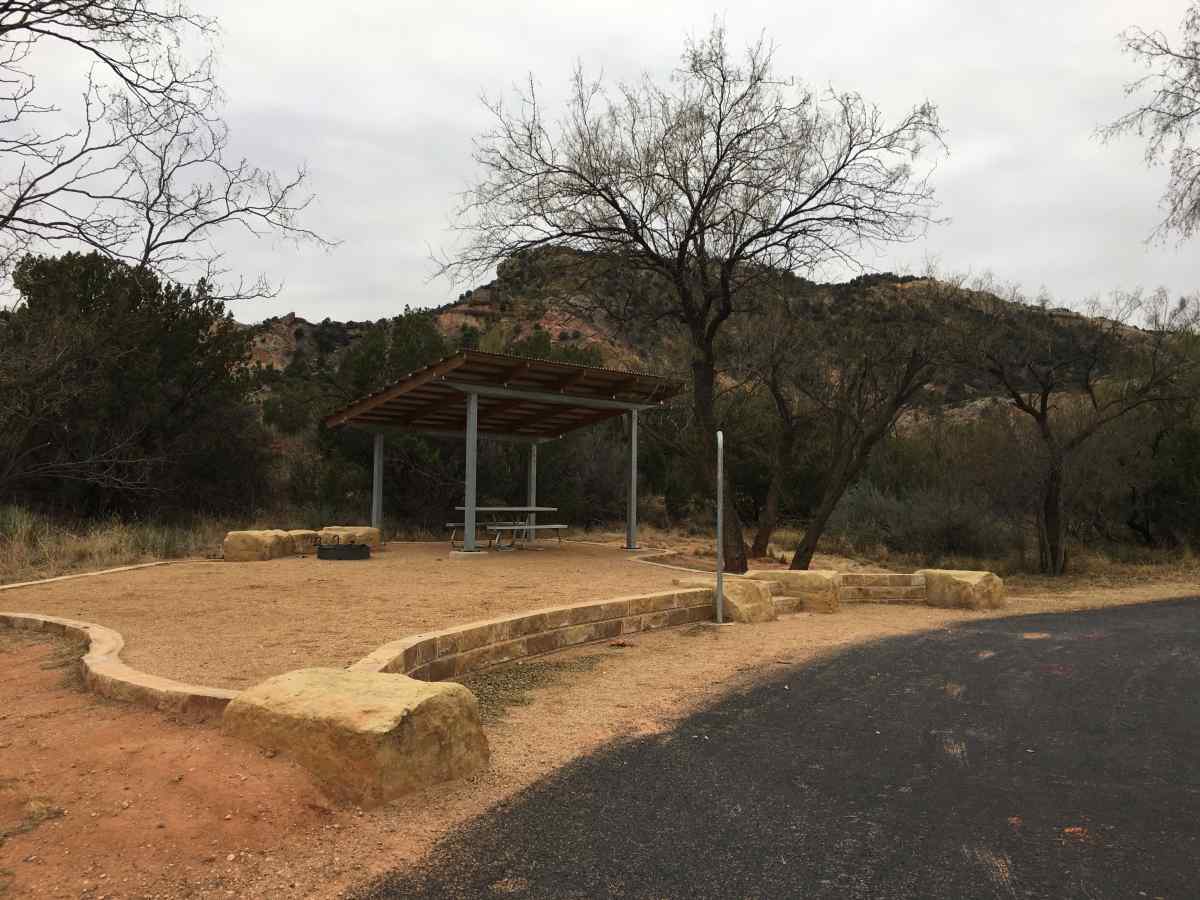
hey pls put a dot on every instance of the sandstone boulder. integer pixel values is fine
(745, 600)
(305, 540)
(748, 601)
(351, 534)
(249, 546)
(953, 589)
(368, 737)
(816, 589)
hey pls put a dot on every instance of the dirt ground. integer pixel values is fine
(231, 625)
(234, 823)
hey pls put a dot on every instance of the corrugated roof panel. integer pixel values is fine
(428, 399)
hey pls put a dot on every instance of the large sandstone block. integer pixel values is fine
(368, 737)
(953, 589)
(745, 600)
(748, 601)
(351, 534)
(249, 546)
(817, 589)
(304, 539)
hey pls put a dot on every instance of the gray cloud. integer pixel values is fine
(381, 103)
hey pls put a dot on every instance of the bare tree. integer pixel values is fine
(1074, 375)
(847, 362)
(179, 187)
(1166, 118)
(694, 190)
(143, 173)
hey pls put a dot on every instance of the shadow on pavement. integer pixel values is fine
(1045, 756)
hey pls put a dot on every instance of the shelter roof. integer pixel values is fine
(519, 398)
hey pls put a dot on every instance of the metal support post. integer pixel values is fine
(720, 597)
(631, 510)
(531, 492)
(472, 464)
(377, 485)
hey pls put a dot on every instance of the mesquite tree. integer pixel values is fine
(690, 191)
(1165, 118)
(140, 171)
(840, 366)
(1074, 375)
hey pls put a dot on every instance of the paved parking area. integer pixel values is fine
(1040, 756)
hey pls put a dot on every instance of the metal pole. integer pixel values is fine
(472, 461)
(377, 485)
(631, 509)
(531, 494)
(720, 598)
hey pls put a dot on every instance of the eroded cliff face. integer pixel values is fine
(495, 319)
(279, 339)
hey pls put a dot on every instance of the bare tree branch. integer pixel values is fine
(145, 174)
(667, 203)
(1166, 118)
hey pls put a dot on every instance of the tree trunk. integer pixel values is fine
(704, 395)
(1053, 522)
(812, 535)
(853, 459)
(769, 517)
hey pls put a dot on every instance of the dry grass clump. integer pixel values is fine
(1092, 569)
(35, 546)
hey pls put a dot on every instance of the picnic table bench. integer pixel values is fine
(497, 527)
(517, 528)
(456, 526)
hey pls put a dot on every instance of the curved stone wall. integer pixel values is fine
(104, 673)
(433, 656)
(463, 649)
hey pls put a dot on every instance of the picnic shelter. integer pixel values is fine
(474, 394)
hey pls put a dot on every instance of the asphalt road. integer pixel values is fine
(1046, 756)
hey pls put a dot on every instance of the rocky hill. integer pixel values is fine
(516, 306)
(495, 317)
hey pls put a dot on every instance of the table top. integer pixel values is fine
(512, 509)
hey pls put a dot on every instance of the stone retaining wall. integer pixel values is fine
(432, 656)
(437, 655)
(104, 673)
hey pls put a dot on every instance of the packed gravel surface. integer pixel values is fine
(236, 823)
(231, 625)
(1044, 756)
(103, 799)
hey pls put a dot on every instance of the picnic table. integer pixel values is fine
(500, 521)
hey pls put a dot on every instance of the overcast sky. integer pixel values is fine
(381, 101)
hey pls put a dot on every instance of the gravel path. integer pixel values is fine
(231, 625)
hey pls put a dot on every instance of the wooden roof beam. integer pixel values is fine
(426, 408)
(548, 397)
(429, 373)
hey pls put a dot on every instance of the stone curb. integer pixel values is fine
(430, 656)
(464, 649)
(161, 562)
(104, 673)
